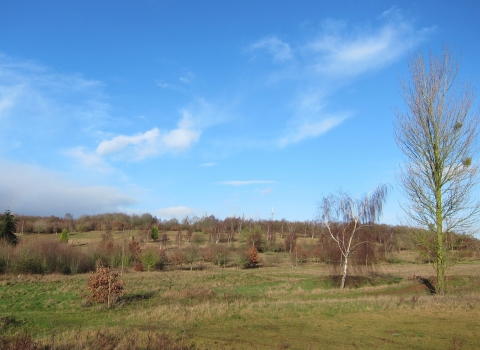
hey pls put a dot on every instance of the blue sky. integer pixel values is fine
(222, 107)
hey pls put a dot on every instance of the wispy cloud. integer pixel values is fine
(340, 52)
(266, 191)
(33, 190)
(320, 66)
(208, 164)
(187, 78)
(89, 160)
(164, 85)
(37, 103)
(310, 129)
(244, 183)
(279, 50)
(179, 212)
(310, 119)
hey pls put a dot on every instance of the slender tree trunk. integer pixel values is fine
(441, 252)
(344, 274)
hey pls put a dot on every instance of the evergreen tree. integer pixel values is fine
(8, 226)
(155, 233)
(64, 236)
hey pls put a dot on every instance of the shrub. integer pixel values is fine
(104, 285)
(153, 259)
(178, 257)
(154, 233)
(64, 236)
(40, 255)
(253, 257)
(241, 260)
(217, 254)
(109, 252)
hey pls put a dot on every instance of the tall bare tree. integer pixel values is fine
(437, 133)
(343, 216)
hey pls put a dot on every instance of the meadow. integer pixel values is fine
(278, 305)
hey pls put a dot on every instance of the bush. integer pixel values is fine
(104, 285)
(154, 233)
(178, 257)
(64, 236)
(39, 255)
(217, 254)
(253, 257)
(241, 260)
(153, 259)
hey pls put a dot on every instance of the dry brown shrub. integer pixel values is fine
(299, 254)
(138, 266)
(253, 257)
(134, 247)
(104, 285)
(208, 254)
(177, 257)
(19, 341)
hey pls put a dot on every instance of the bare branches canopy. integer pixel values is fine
(343, 216)
(437, 132)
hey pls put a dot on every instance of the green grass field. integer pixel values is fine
(277, 307)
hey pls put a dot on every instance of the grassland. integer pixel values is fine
(275, 307)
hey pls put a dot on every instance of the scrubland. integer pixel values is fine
(281, 304)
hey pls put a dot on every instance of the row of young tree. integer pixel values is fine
(209, 239)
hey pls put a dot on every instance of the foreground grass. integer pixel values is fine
(271, 308)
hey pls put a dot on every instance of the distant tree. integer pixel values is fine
(40, 226)
(254, 239)
(179, 238)
(155, 233)
(191, 255)
(290, 242)
(64, 236)
(69, 220)
(343, 216)
(8, 227)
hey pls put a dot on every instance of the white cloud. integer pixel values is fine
(38, 104)
(329, 62)
(164, 85)
(266, 191)
(7, 100)
(89, 160)
(278, 49)
(141, 142)
(139, 146)
(179, 212)
(27, 189)
(187, 78)
(244, 183)
(208, 164)
(310, 119)
(310, 129)
(338, 53)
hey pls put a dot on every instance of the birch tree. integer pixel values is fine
(343, 216)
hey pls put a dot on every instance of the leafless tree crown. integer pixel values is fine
(437, 132)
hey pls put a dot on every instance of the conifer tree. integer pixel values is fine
(8, 226)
